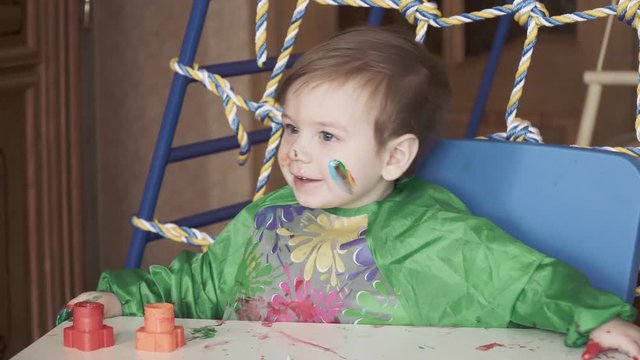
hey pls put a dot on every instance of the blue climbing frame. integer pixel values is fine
(164, 154)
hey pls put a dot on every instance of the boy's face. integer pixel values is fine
(331, 121)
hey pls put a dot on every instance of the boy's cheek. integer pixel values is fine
(283, 159)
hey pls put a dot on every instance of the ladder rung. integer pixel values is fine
(207, 217)
(245, 67)
(190, 151)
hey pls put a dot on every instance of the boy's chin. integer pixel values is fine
(317, 203)
(314, 204)
(323, 203)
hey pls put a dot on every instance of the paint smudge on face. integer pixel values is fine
(341, 175)
(204, 332)
(487, 347)
(213, 346)
(293, 338)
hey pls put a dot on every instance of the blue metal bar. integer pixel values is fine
(489, 74)
(208, 147)
(167, 130)
(376, 15)
(207, 218)
(245, 67)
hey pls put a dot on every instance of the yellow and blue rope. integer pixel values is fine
(267, 114)
(174, 232)
(221, 87)
(262, 12)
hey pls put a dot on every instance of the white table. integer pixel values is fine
(255, 340)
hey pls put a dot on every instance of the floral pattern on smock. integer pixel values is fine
(319, 243)
(312, 266)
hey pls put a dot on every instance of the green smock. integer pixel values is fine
(418, 257)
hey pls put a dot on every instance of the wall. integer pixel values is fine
(554, 92)
(133, 43)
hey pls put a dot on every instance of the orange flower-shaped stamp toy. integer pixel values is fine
(159, 332)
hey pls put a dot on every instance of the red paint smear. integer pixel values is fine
(211, 346)
(487, 347)
(267, 324)
(311, 344)
(220, 322)
(263, 336)
(298, 284)
(592, 350)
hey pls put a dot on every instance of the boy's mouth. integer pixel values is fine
(304, 180)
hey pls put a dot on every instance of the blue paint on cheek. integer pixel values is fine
(341, 175)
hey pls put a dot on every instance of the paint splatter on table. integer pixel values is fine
(255, 340)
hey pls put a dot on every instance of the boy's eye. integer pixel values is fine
(325, 136)
(291, 129)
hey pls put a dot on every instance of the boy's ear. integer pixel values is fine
(399, 155)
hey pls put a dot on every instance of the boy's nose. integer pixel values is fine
(298, 152)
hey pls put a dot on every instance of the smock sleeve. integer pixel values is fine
(558, 297)
(199, 285)
(451, 268)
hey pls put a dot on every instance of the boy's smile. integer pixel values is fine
(325, 122)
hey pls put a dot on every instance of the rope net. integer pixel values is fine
(530, 14)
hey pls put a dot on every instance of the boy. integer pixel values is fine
(351, 239)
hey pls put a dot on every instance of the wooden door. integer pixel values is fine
(40, 183)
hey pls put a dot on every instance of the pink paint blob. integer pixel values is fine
(303, 303)
(267, 324)
(487, 347)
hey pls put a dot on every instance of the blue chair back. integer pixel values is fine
(581, 206)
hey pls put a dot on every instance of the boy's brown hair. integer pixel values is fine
(407, 84)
